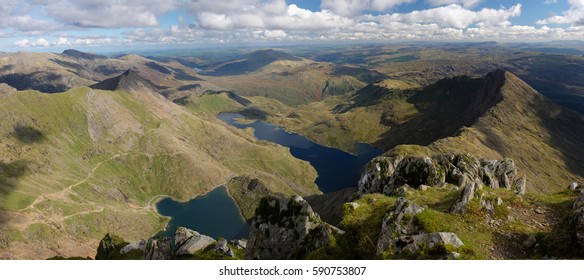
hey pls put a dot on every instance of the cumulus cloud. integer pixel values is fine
(350, 8)
(573, 16)
(453, 16)
(108, 13)
(464, 3)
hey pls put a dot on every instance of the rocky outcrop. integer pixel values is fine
(440, 245)
(573, 186)
(285, 229)
(388, 175)
(576, 220)
(401, 237)
(158, 249)
(185, 244)
(187, 241)
(399, 222)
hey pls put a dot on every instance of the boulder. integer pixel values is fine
(521, 185)
(573, 186)
(285, 229)
(187, 241)
(109, 247)
(139, 245)
(488, 169)
(398, 222)
(576, 221)
(415, 171)
(468, 193)
(377, 174)
(429, 245)
(505, 173)
(158, 249)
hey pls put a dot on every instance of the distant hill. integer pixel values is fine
(496, 116)
(252, 62)
(83, 55)
(129, 81)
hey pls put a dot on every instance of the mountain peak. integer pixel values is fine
(253, 62)
(83, 55)
(129, 81)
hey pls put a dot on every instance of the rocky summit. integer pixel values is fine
(285, 229)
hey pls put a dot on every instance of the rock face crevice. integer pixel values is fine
(286, 229)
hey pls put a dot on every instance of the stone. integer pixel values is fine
(158, 249)
(221, 247)
(353, 205)
(468, 193)
(454, 256)
(399, 222)
(187, 241)
(239, 244)
(573, 186)
(539, 210)
(424, 188)
(414, 244)
(285, 229)
(136, 245)
(499, 201)
(107, 246)
(377, 174)
(521, 185)
(505, 173)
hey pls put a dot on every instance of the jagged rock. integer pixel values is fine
(387, 174)
(399, 222)
(505, 173)
(239, 244)
(487, 204)
(453, 256)
(488, 169)
(521, 185)
(221, 247)
(285, 229)
(415, 171)
(136, 245)
(377, 174)
(107, 246)
(187, 241)
(470, 188)
(499, 201)
(431, 244)
(424, 188)
(573, 186)
(576, 220)
(158, 249)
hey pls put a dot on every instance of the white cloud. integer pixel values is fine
(454, 16)
(108, 13)
(24, 43)
(41, 42)
(464, 3)
(62, 41)
(573, 16)
(550, 1)
(350, 8)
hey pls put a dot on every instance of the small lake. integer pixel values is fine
(214, 214)
(336, 168)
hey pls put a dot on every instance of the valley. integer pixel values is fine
(91, 145)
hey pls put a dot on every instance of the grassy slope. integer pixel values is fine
(87, 162)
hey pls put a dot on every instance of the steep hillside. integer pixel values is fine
(498, 116)
(78, 164)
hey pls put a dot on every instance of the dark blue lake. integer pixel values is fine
(214, 214)
(336, 168)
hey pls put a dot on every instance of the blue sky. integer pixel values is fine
(38, 25)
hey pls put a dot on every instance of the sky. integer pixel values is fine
(38, 25)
